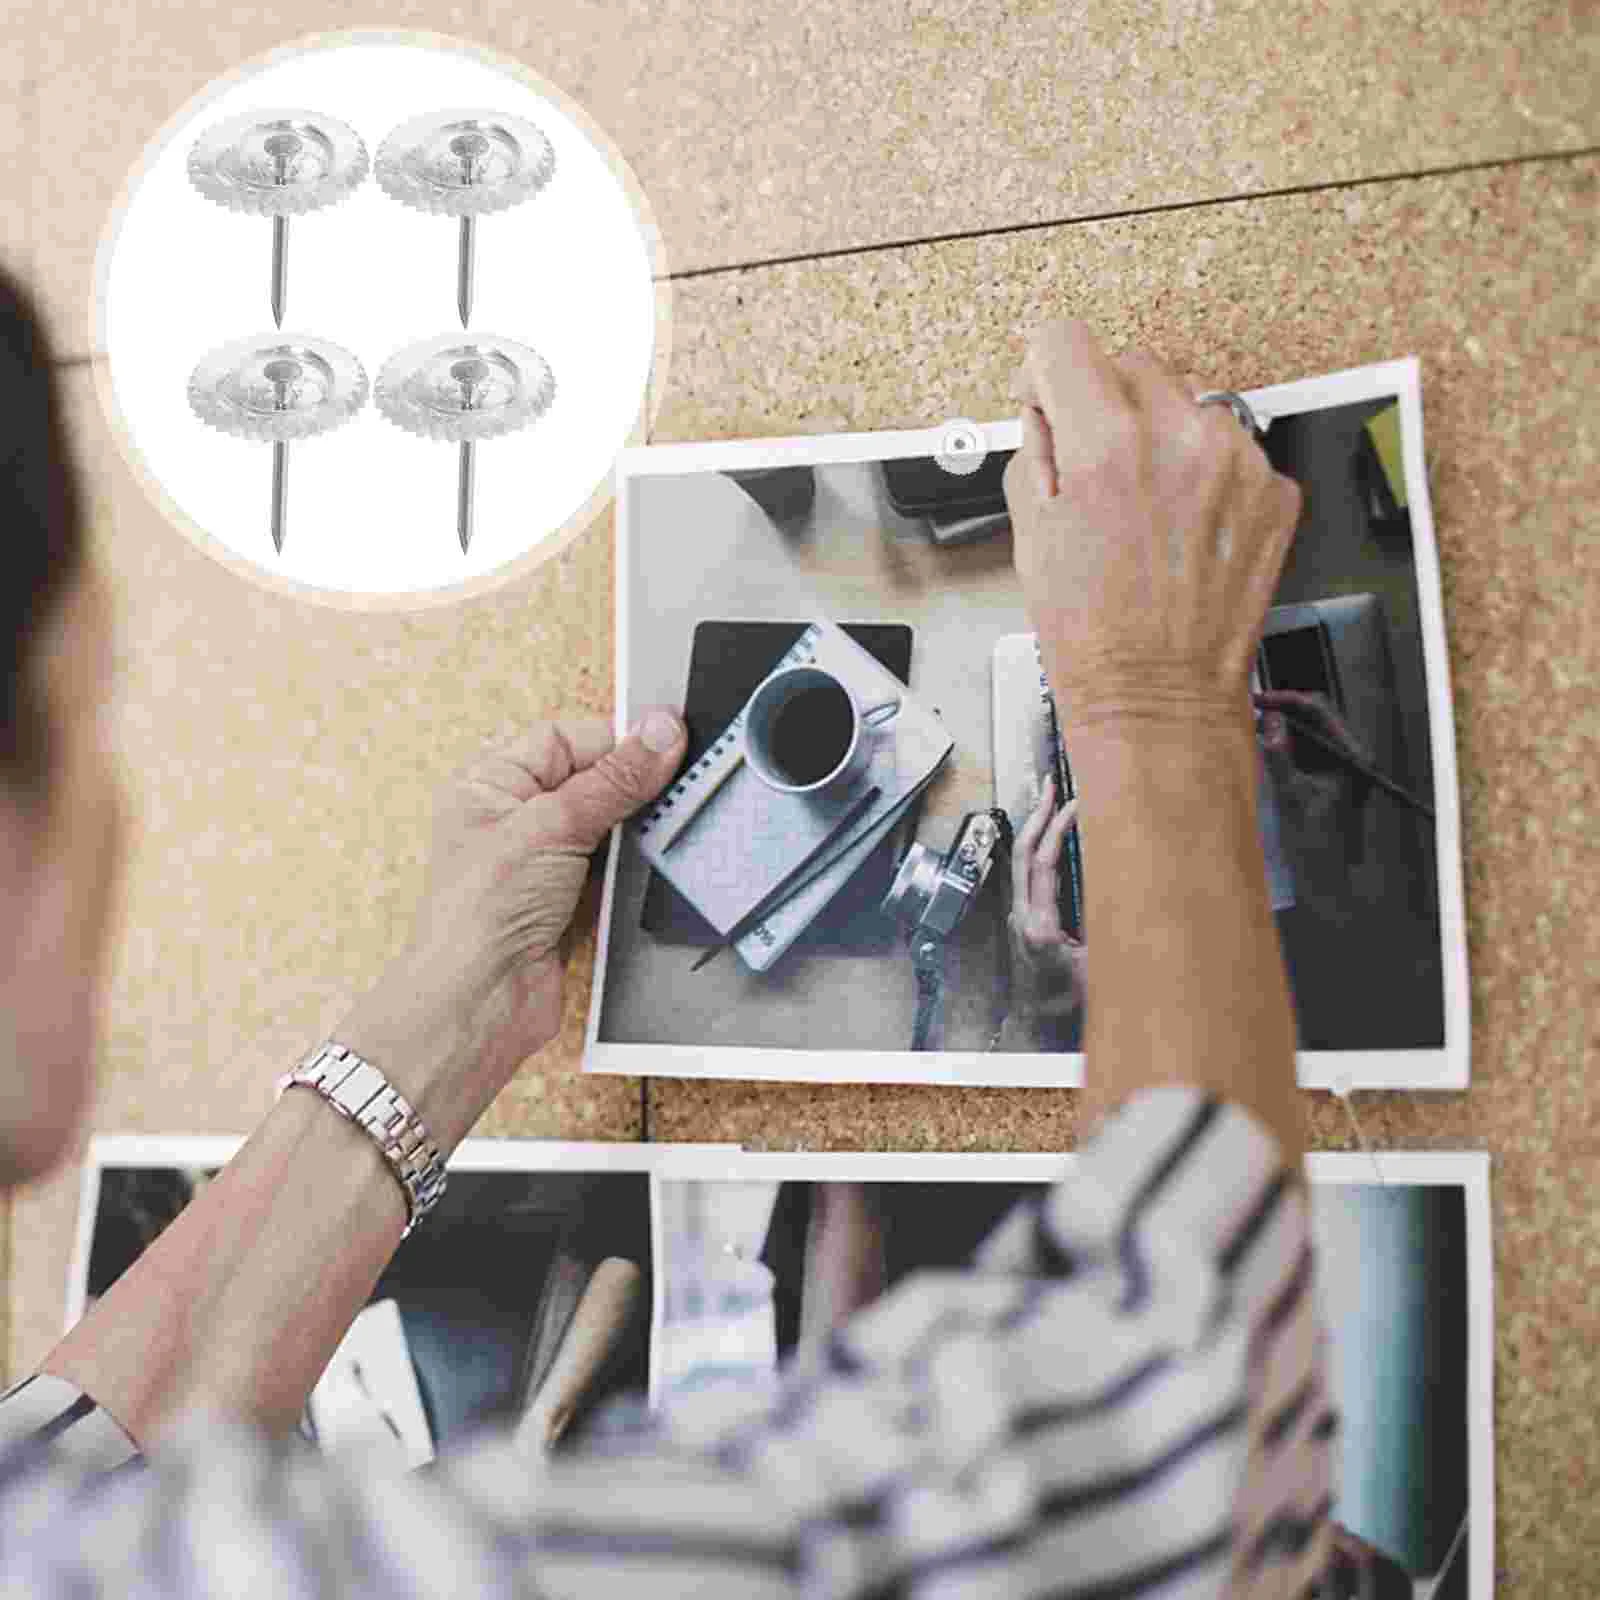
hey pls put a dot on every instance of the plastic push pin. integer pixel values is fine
(278, 164)
(275, 389)
(465, 390)
(465, 164)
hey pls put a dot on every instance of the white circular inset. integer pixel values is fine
(962, 448)
(565, 262)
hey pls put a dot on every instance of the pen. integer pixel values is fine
(1371, 773)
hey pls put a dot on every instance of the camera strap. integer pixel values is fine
(929, 956)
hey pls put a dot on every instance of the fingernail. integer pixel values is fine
(659, 732)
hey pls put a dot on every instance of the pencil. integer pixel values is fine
(699, 801)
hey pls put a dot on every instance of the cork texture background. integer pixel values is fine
(280, 755)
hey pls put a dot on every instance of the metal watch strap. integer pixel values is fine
(361, 1094)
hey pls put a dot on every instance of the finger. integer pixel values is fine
(1044, 901)
(1081, 394)
(1037, 818)
(582, 810)
(1038, 449)
(1022, 847)
(546, 754)
(1050, 849)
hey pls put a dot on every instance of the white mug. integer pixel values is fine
(829, 749)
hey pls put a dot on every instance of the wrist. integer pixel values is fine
(1156, 742)
(435, 1042)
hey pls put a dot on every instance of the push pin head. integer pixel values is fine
(283, 148)
(464, 164)
(465, 391)
(469, 374)
(278, 164)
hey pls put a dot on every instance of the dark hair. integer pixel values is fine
(41, 536)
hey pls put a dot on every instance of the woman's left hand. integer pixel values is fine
(479, 987)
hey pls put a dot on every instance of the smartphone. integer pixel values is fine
(1302, 659)
(1069, 878)
(918, 486)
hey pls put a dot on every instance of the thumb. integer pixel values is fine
(629, 775)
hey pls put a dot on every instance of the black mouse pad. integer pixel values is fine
(727, 662)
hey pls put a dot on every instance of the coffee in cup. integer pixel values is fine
(806, 732)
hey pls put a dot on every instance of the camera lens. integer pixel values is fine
(913, 885)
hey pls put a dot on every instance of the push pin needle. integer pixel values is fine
(282, 375)
(283, 148)
(468, 373)
(469, 149)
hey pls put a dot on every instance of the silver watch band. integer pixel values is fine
(361, 1094)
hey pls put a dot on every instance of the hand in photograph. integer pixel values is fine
(1049, 969)
(1321, 801)
(478, 989)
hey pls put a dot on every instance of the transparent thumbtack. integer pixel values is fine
(464, 164)
(278, 164)
(465, 390)
(277, 388)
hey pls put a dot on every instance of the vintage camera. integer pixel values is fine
(931, 893)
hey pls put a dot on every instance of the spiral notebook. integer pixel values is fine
(727, 660)
(746, 840)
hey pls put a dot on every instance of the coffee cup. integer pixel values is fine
(807, 732)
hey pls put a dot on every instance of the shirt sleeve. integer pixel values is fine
(1124, 1395)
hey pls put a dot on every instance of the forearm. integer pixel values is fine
(1188, 982)
(237, 1307)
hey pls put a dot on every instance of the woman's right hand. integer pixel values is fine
(1149, 535)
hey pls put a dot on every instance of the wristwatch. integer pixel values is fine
(361, 1094)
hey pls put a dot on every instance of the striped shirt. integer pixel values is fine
(1124, 1395)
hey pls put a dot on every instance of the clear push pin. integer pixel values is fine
(465, 390)
(278, 164)
(276, 388)
(464, 164)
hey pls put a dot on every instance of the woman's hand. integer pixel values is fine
(1149, 534)
(1049, 966)
(1320, 803)
(479, 987)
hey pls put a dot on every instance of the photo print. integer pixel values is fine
(842, 884)
(783, 1250)
(526, 1301)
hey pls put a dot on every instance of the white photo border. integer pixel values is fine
(1446, 1068)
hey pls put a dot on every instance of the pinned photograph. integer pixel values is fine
(525, 1303)
(785, 1250)
(865, 870)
